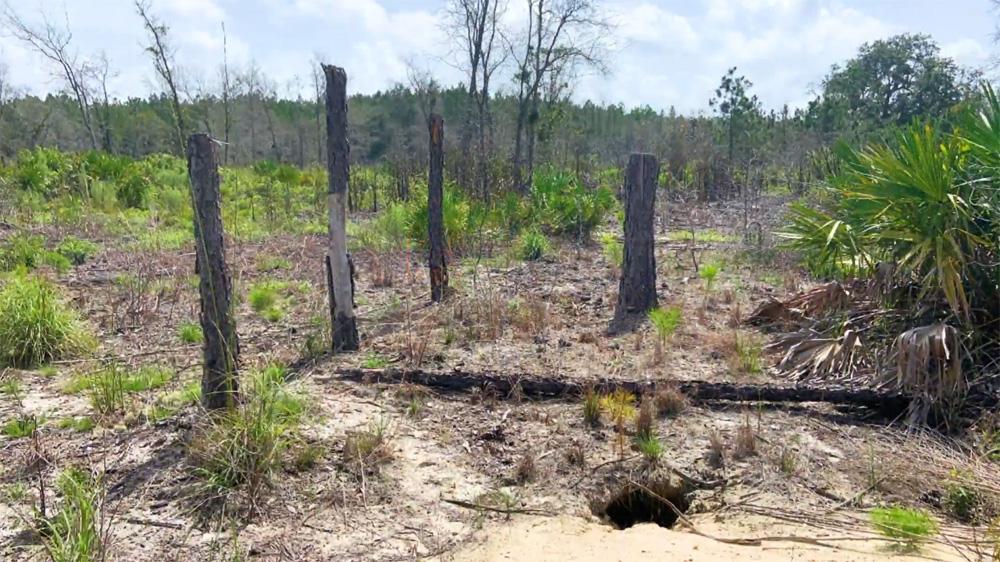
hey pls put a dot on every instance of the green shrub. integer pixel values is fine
(960, 497)
(77, 251)
(614, 250)
(190, 332)
(36, 327)
(22, 251)
(532, 245)
(708, 273)
(133, 187)
(665, 321)
(908, 526)
(563, 206)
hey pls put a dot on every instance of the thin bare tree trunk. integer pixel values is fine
(344, 327)
(219, 385)
(435, 217)
(637, 288)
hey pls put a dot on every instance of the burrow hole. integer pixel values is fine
(635, 504)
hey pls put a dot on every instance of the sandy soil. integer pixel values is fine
(533, 539)
(506, 317)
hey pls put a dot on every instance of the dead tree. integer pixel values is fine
(163, 62)
(54, 44)
(637, 288)
(219, 385)
(435, 217)
(344, 326)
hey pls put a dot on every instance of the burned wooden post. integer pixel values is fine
(637, 288)
(435, 217)
(219, 384)
(343, 324)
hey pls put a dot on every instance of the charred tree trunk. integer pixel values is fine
(887, 402)
(637, 288)
(218, 383)
(435, 216)
(343, 326)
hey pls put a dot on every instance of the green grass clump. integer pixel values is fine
(19, 427)
(263, 296)
(243, 447)
(272, 263)
(36, 326)
(190, 332)
(909, 527)
(12, 388)
(21, 251)
(746, 354)
(649, 445)
(532, 246)
(76, 531)
(374, 361)
(79, 425)
(614, 249)
(76, 250)
(266, 299)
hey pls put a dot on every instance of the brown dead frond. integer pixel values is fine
(929, 367)
(826, 298)
(808, 356)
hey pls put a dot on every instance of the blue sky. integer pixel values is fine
(665, 53)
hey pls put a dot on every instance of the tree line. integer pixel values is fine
(496, 138)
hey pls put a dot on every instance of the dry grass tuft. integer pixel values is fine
(746, 440)
(576, 456)
(527, 469)
(716, 450)
(366, 450)
(670, 401)
(644, 419)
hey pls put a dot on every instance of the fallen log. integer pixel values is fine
(887, 403)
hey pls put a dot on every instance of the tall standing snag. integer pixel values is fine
(218, 383)
(344, 326)
(637, 288)
(435, 216)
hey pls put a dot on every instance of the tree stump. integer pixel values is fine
(219, 384)
(637, 287)
(435, 216)
(343, 323)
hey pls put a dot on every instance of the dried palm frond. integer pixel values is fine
(829, 297)
(814, 357)
(929, 367)
(826, 298)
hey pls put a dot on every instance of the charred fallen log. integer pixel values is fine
(887, 403)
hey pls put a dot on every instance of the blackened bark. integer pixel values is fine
(344, 327)
(435, 216)
(219, 385)
(637, 288)
(887, 402)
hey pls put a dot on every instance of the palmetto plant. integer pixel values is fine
(920, 215)
(913, 202)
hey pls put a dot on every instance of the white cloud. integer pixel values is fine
(649, 23)
(966, 51)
